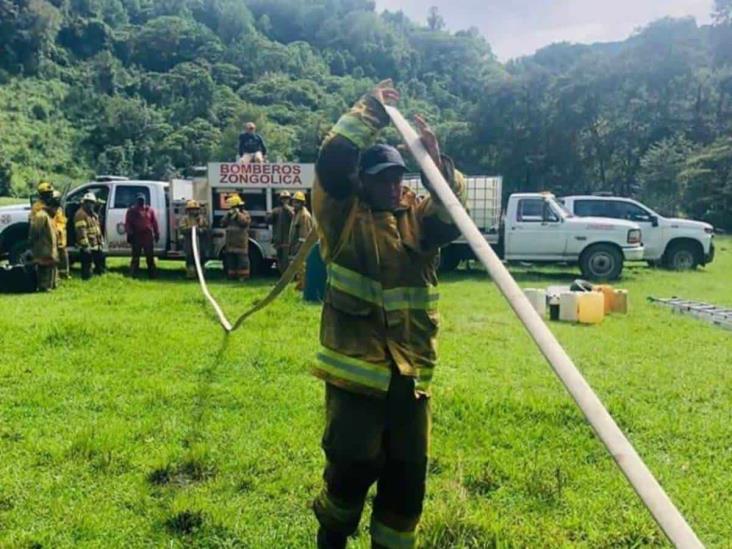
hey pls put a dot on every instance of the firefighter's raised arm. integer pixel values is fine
(337, 165)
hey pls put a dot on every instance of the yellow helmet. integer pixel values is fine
(193, 205)
(299, 195)
(234, 200)
(45, 187)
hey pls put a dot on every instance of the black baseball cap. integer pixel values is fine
(381, 157)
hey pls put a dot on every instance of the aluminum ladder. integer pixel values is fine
(719, 316)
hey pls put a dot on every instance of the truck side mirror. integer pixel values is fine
(654, 221)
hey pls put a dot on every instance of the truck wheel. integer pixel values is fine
(17, 250)
(449, 259)
(601, 262)
(682, 256)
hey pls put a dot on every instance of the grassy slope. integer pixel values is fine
(126, 420)
(9, 200)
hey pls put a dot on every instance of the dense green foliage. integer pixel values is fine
(150, 88)
(110, 439)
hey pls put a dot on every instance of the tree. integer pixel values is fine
(660, 174)
(708, 177)
(435, 22)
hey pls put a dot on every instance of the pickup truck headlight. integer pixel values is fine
(709, 230)
(634, 236)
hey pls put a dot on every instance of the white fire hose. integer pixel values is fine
(650, 491)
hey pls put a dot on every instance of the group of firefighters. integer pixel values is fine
(48, 241)
(291, 221)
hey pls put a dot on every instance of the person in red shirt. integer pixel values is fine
(142, 230)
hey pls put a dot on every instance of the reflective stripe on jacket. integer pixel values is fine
(380, 308)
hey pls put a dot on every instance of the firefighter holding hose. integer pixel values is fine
(379, 325)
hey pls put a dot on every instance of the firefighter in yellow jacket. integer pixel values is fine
(89, 237)
(302, 224)
(193, 218)
(60, 222)
(236, 222)
(378, 326)
(46, 191)
(44, 243)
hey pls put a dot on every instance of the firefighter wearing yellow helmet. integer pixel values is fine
(44, 242)
(302, 224)
(236, 247)
(193, 218)
(45, 192)
(281, 220)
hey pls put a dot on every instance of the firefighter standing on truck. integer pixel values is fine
(43, 242)
(301, 226)
(141, 226)
(89, 237)
(193, 218)
(379, 324)
(281, 220)
(236, 222)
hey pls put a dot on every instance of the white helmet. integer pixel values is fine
(89, 197)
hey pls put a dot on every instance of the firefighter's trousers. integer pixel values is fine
(371, 440)
(46, 277)
(62, 270)
(88, 258)
(237, 265)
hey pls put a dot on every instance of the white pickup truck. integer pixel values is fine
(673, 242)
(535, 228)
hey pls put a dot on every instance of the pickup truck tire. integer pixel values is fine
(449, 259)
(601, 262)
(17, 250)
(682, 256)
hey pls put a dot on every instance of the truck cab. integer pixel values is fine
(673, 242)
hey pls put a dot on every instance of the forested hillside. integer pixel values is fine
(149, 88)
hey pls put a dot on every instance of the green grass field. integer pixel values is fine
(127, 418)
(9, 200)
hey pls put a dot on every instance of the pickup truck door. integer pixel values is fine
(124, 196)
(72, 202)
(535, 231)
(653, 234)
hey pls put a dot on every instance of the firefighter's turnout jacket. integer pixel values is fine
(43, 238)
(186, 228)
(88, 231)
(236, 222)
(301, 226)
(380, 307)
(59, 221)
